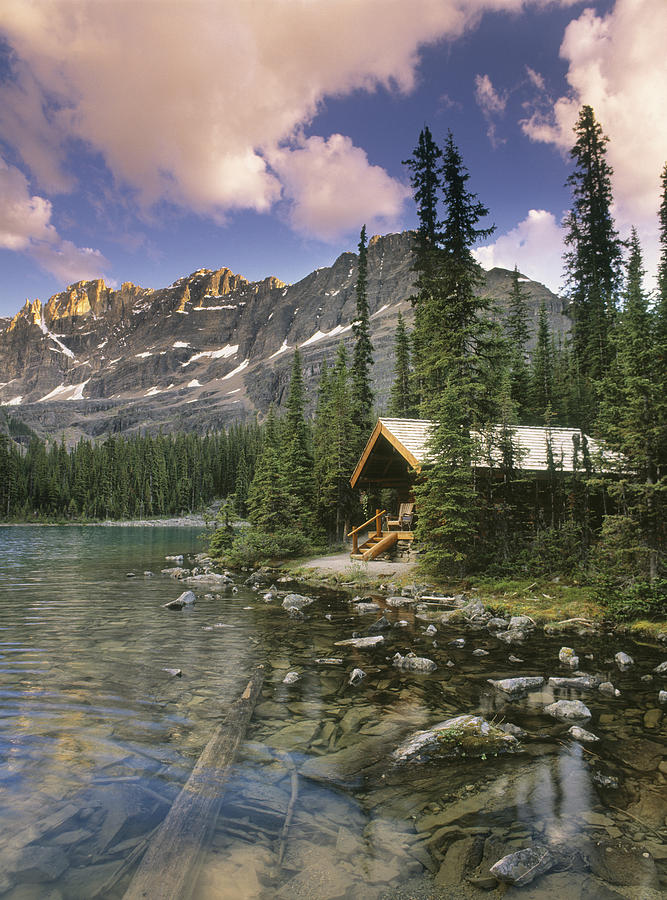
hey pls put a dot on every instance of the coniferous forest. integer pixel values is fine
(463, 367)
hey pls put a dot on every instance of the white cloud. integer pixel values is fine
(186, 101)
(535, 245)
(25, 225)
(492, 103)
(617, 64)
(333, 188)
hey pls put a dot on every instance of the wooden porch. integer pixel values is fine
(378, 541)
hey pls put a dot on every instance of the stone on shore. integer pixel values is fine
(517, 687)
(525, 623)
(523, 866)
(412, 663)
(568, 709)
(461, 736)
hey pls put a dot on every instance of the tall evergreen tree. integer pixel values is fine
(401, 404)
(453, 351)
(542, 373)
(662, 224)
(593, 259)
(297, 456)
(516, 328)
(269, 492)
(362, 357)
(633, 407)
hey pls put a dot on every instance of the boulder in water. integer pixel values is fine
(187, 598)
(568, 709)
(623, 660)
(296, 601)
(517, 687)
(461, 736)
(523, 866)
(412, 663)
(361, 643)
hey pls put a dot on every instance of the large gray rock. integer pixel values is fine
(525, 623)
(580, 734)
(524, 866)
(511, 636)
(461, 736)
(568, 709)
(517, 687)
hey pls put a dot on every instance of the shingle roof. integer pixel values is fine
(531, 443)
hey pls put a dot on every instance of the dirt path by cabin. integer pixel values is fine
(341, 562)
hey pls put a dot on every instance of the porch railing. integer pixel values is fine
(354, 534)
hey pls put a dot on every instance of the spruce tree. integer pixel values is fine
(401, 404)
(542, 369)
(269, 493)
(633, 406)
(593, 259)
(662, 225)
(362, 357)
(453, 351)
(297, 457)
(516, 329)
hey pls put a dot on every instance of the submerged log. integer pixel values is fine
(168, 870)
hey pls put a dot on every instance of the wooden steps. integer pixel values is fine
(376, 545)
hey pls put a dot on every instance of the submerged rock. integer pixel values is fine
(177, 673)
(400, 601)
(480, 652)
(431, 630)
(517, 686)
(568, 657)
(524, 866)
(382, 624)
(363, 608)
(462, 736)
(568, 709)
(291, 678)
(623, 660)
(356, 676)
(608, 688)
(361, 643)
(296, 601)
(457, 642)
(580, 734)
(412, 663)
(511, 636)
(580, 682)
(329, 661)
(662, 696)
(661, 669)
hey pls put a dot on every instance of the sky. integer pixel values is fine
(141, 140)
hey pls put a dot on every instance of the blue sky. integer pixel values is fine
(140, 142)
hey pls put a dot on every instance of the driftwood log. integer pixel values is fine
(169, 868)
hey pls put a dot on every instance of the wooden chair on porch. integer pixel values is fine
(404, 518)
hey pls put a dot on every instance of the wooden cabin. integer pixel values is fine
(397, 451)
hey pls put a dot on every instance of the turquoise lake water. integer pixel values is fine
(97, 739)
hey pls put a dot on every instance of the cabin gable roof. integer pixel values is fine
(409, 439)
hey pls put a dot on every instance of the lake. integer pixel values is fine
(97, 738)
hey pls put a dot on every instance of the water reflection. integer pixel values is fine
(96, 738)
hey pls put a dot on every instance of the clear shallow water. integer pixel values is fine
(96, 740)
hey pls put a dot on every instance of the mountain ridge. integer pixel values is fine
(209, 348)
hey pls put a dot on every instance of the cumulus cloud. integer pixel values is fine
(188, 101)
(25, 225)
(617, 64)
(535, 245)
(330, 183)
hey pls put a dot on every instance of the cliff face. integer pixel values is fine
(210, 348)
